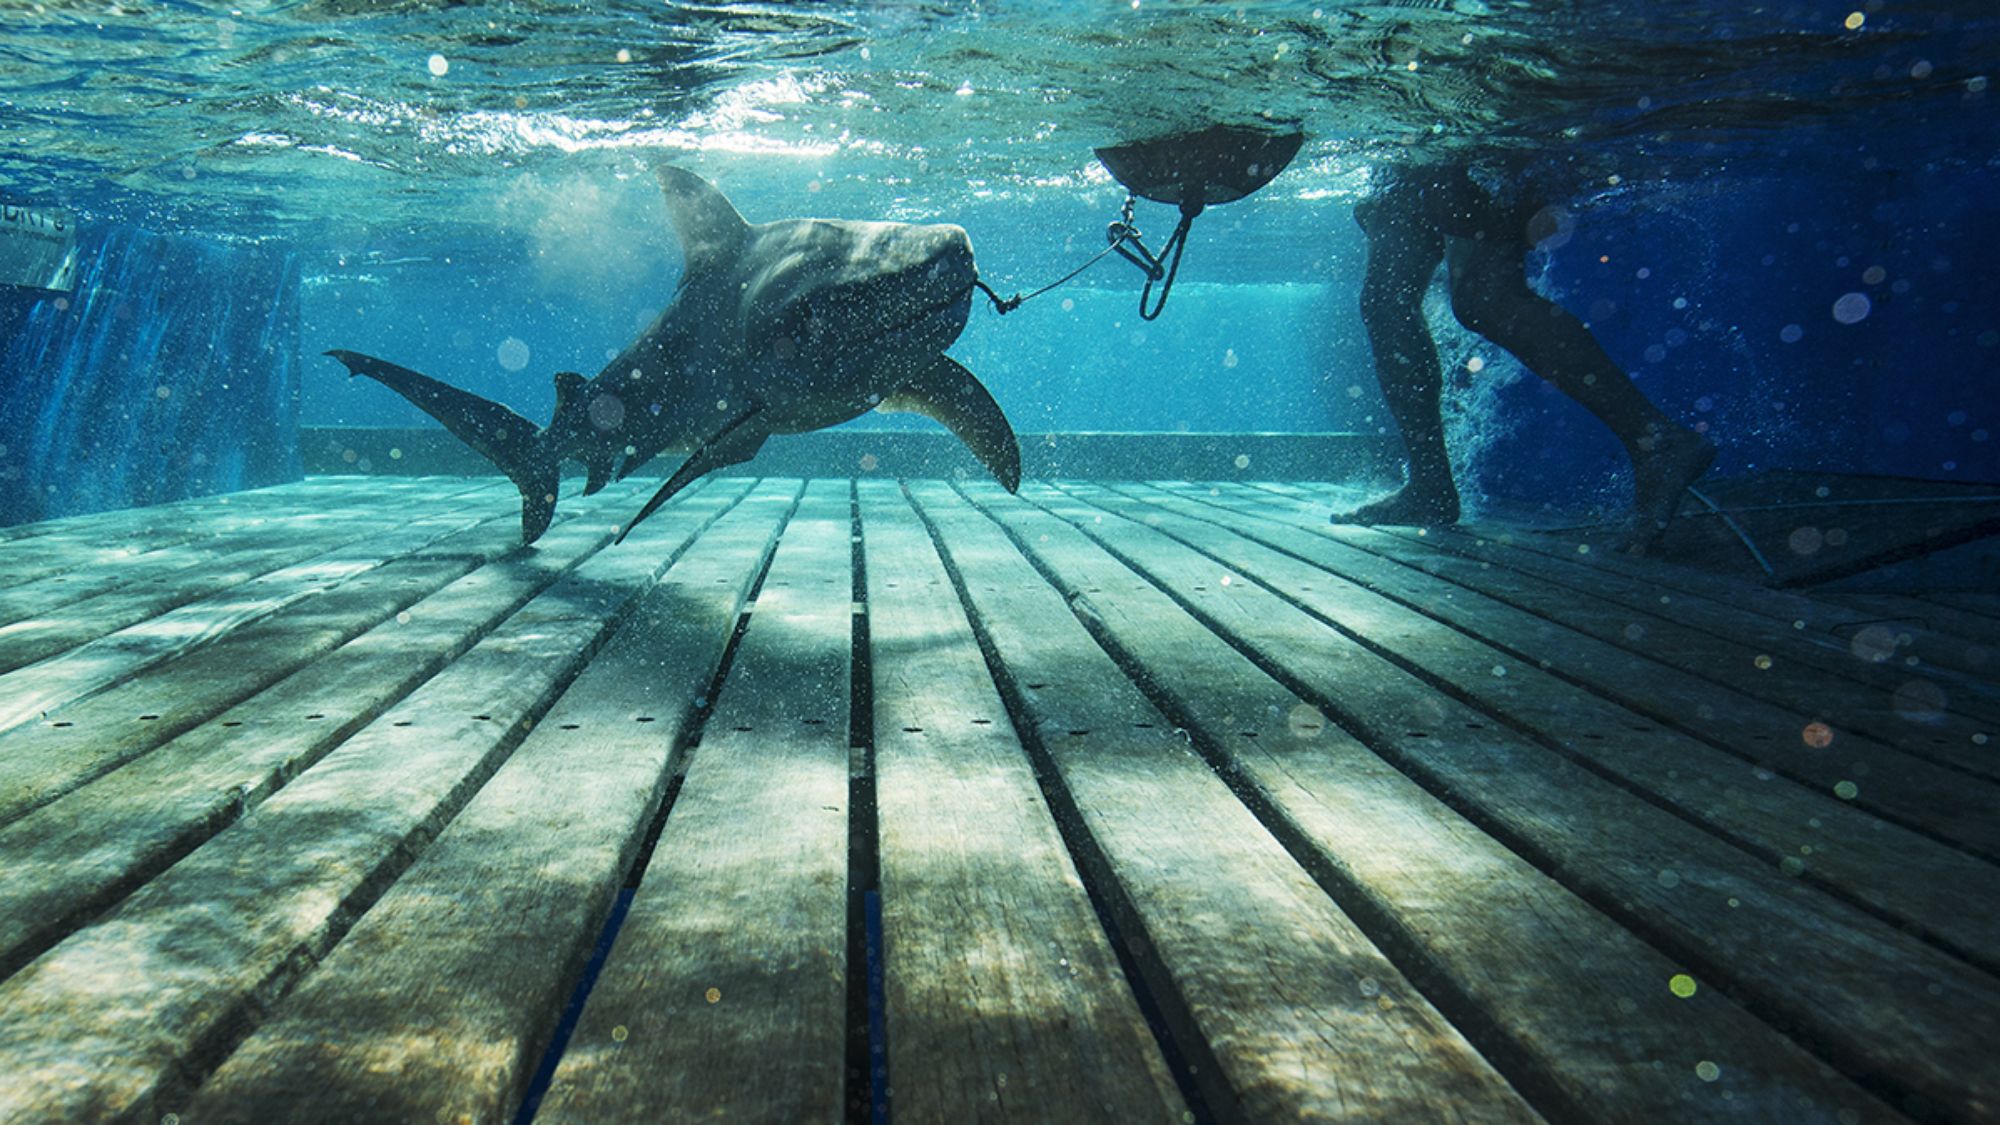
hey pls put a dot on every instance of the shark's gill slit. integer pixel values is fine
(867, 1069)
(696, 716)
(1196, 1072)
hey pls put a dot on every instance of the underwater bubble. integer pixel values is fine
(1852, 308)
(1919, 701)
(1242, 460)
(624, 55)
(869, 462)
(1846, 790)
(1681, 985)
(606, 412)
(1920, 69)
(512, 353)
(1763, 662)
(1068, 304)
(1474, 365)
(1873, 275)
(1805, 540)
(1305, 722)
(439, 65)
(1229, 357)
(1836, 536)
(1819, 736)
(1854, 21)
(1707, 1071)
(1791, 333)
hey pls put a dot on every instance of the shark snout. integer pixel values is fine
(951, 264)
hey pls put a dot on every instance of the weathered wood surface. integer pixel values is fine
(437, 1004)
(1005, 1000)
(725, 997)
(1846, 690)
(1298, 1013)
(1141, 803)
(1968, 665)
(33, 552)
(1557, 632)
(1572, 1006)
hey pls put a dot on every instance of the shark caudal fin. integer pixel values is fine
(511, 442)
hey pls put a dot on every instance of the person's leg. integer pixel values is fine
(1490, 296)
(1403, 252)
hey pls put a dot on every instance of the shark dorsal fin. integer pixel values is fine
(709, 226)
(569, 387)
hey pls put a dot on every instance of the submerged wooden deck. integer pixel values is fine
(1115, 802)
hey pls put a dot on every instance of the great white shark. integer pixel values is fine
(776, 328)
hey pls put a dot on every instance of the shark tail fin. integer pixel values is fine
(511, 442)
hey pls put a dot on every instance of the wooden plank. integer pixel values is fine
(1673, 622)
(1573, 1007)
(1282, 1006)
(437, 1004)
(181, 563)
(1908, 1021)
(1968, 625)
(61, 547)
(1005, 1001)
(41, 761)
(112, 1021)
(63, 628)
(725, 996)
(69, 860)
(1558, 630)
(32, 693)
(1850, 852)
(1970, 666)
(1863, 692)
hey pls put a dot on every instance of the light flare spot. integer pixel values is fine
(619, 1034)
(512, 353)
(1707, 1071)
(439, 66)
(1475, 365)
(1242, 461)
(1817, 735)
(1852, 308)
(713, 995)
(1854, 21)
(606, 412)
(1846, 790)
(1763, 662)
(1681, 985)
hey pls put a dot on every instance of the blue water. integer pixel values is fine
(464, 190)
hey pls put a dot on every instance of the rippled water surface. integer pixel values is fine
(355, 122)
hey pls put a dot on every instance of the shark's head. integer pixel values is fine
(855, 303)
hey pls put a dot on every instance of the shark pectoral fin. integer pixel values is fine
(949, 394)
(599, 474)
(733, 444)
(501, 436)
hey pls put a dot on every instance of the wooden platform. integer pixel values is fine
(845, 801)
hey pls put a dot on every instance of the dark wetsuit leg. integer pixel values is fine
(1404, 249)
(1490, 296)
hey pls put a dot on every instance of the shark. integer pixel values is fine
(775, 328)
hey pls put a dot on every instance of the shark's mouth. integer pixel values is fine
(951, 304)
